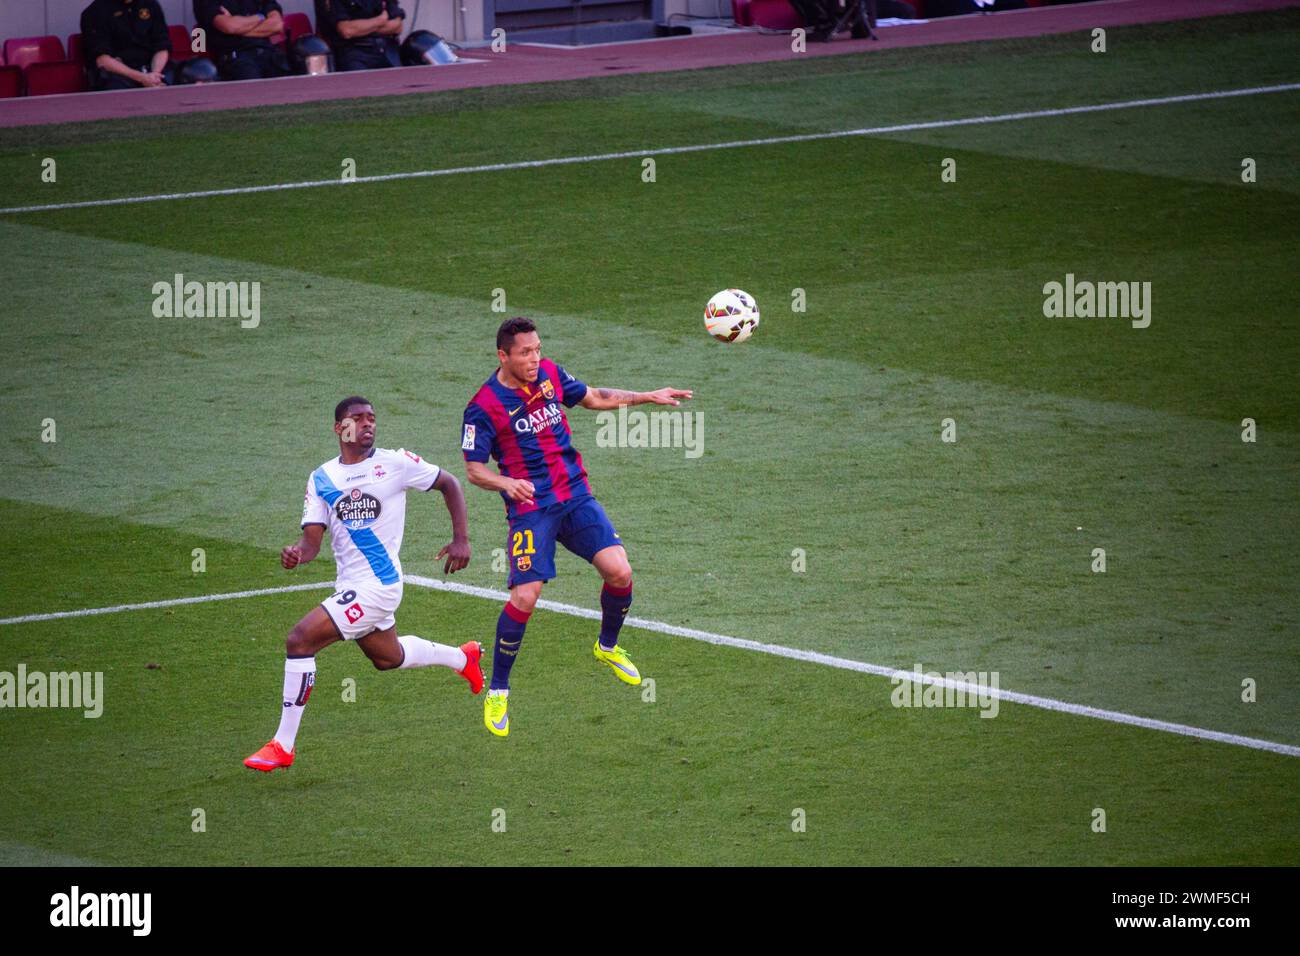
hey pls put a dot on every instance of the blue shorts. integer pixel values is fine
(580, 524)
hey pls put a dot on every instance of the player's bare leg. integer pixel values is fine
(389, 652)
(613, 566)
(524, 596)
(386, 651)
(313, 633)
(615, 599)
(510, 635)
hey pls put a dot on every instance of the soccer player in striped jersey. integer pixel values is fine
(361, 497)
(517, 418)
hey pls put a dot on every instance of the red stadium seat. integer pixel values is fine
(23, 51)
(740, 13)
(182, 44)
(44, 79)
(296, 25)
(774, 15)
(11, 81)
(77, 54)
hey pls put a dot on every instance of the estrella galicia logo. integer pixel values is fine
(356, 509)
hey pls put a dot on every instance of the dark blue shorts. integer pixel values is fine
(580, 524)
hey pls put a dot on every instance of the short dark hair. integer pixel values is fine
(510, 328)
(341, 409)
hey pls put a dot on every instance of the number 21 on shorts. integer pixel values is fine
(521, 546)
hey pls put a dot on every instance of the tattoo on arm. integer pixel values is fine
(617, 395)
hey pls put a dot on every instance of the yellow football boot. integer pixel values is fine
(495, 717)
(617, 658)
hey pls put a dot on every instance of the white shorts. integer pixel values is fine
(359, 609)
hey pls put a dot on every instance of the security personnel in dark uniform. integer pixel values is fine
(239, 33)
(126, 44)
(363, 33)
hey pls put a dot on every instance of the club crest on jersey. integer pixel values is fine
(379, 471)
(467, 443)
(548, 390)
(524, 562)
(539, 420)
(356, 509)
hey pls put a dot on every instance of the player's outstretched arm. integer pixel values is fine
(457, 552)
(601, 399)
(306, 549)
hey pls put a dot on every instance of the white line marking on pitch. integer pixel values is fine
(667, 150)
(171, 602)
(776, 650)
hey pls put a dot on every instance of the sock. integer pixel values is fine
(614, 603)
(422, 653)
(510, 634)
(299, 678)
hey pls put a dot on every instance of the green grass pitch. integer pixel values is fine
(924, 303)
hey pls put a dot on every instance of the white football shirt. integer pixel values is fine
(364, 507)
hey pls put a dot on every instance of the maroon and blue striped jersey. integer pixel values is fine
(527, 433)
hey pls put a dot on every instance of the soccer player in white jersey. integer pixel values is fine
(361, 497)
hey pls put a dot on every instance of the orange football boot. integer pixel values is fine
(473, 672)
(270, 757)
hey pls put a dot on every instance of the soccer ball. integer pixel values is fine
(731, 316)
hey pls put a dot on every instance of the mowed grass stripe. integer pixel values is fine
(662, 151)
(1007, 227)
(968, 691)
